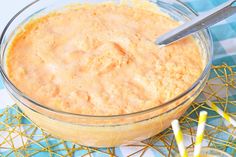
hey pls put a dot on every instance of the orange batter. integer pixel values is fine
(101, 60)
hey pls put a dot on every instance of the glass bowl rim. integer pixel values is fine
(207, 148)
(16, 90)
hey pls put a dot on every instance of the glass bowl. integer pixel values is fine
(208, 152)
(104, 131)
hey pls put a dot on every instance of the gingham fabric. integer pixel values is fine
(223, 33)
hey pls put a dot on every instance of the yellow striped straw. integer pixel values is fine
(222, 113)
(200, 133)
(179, 138)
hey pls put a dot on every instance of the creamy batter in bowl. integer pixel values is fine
(104, 126)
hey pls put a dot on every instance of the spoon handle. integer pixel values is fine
(201, 22)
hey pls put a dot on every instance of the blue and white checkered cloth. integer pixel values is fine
(224, 36)
(223, 33)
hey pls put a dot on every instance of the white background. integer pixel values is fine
(8, 8)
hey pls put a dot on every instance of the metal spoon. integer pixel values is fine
(203, 21)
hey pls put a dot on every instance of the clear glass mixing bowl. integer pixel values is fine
(104, 131)
(208, 152)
